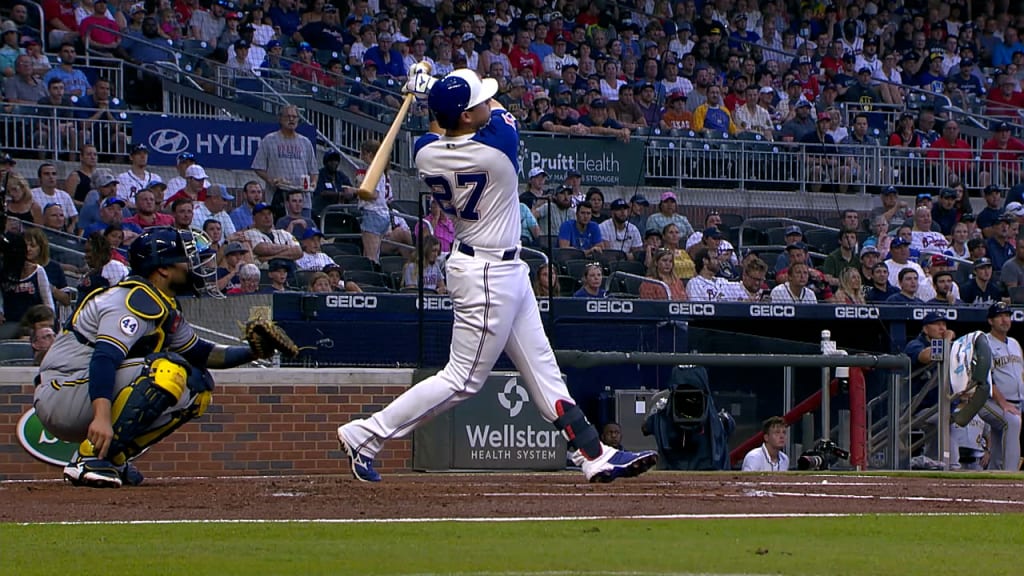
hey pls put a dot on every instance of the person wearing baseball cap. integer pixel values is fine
(667, 214)
(982, 290)
(618, 233)
(136, 177)
(899, 258)
(183, 161)
(536, 179)
(1000, 246)
(1003, 152)
(215, 207)
(105, 184)
(870, 255)
(1002, 411)
(268, 242)
(235, 254)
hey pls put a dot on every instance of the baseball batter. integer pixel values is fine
(1002, 410)
(472, 170)
(127, 370)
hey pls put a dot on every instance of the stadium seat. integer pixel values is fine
(824, 240)
(336, 223)
(730, 220)
(567, 286)
(566, 254)
(339, 248)
(354, 263)
(630, 267)
(409, 207)
(776, 236)
(577, 268)
(367, 278)
(391, 264)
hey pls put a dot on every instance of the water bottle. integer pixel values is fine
(827, 345)
(275, 360)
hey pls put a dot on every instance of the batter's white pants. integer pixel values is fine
(1005, 448)
(495, 311)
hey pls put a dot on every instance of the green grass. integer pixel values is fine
(875, 545)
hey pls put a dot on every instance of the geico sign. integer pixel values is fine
(691, 309)
(947, 313)
(773, 311)
(859, 312)
(613, 306)
(435, 303)
(351, 301)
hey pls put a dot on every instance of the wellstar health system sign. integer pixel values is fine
(603, 161)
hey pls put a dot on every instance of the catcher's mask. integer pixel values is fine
(164, 246)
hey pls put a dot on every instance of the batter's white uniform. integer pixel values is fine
(474, 178)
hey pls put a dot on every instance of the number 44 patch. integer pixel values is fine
(129, 325)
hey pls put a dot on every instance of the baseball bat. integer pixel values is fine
(368, 187)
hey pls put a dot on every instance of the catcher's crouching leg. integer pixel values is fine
(140, 410)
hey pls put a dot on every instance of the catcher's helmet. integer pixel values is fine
(458, 92)
(161, 246)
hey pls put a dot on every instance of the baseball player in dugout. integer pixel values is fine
(469, 161)
(128, 370)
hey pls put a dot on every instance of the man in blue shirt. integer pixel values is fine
(908, 288)
(998, 246)
(581, 233)
(880, 290)
(601, 124)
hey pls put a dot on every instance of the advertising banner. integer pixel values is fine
(222, 144)
(601, 161)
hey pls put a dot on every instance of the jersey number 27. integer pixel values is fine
(443, 194)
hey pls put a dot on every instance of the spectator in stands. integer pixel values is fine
(332, 185)
(706, 286)
(1002, 156)
(106, 187)
(751, 286)
(79, 182)
(794, 289)
(981, 290)
(182, 210)
(54, 219)
(899, 258)
(24, 88)
(618, 233)
(60, 21)
(842, 258)
(945, 214)
(880, 237)
(752, 117)
(208, 25)
(47, 193)
(184, 161)
(75, 82)
(989, 216)
(284, 158)
(599, 123)
(432, 275)
(908, 282)
(858, 151)
(267, 242)
(111, 214)
(102, 269)
(545, 281)
(561, 121)
(37, 251)
(100, 29)
(905, 136)
(146, 215)
(649, 106)
(293, 221)
(248, 281)
(712, 115)
(998, 247)
(554, 213)
(952, 153)
(313, 257)
(306, 68)
(101, 113)
(944, 286)
(791, 235)
(214, 207)
(1012, 273)
(592, 281)
(136, 177)
(934, 265)
(252, 194)
(56, 106)
(277, 272)
(801, 125)
(676, 116)
(535, 181)
(816, 282)
(638, 207)
(879, 290)
(924, 235)
(667, 215)
(869, 256)
(20, 203)
(389, 61)
(581, 233)
(26, 287)
(1004, 99)
(673, 240)
(662, 267)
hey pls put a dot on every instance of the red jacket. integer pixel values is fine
(1008, 157)
(525, 59)
(958, 154)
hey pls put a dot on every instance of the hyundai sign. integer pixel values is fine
(216, 143)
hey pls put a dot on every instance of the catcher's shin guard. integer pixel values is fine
(580, 433)
(161, 384)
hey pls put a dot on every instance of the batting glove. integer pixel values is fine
(419, 84)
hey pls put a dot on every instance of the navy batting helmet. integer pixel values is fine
(458, 92)
(161, 246)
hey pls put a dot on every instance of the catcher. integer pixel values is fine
(128, 370)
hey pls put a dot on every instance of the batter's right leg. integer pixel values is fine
(484, 313)
(529, 349)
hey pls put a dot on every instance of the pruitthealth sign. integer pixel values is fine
(601, 161)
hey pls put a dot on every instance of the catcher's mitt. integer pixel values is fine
(265, 337)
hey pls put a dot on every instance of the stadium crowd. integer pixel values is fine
(813, 74)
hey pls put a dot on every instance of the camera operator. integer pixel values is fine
(769, 457)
